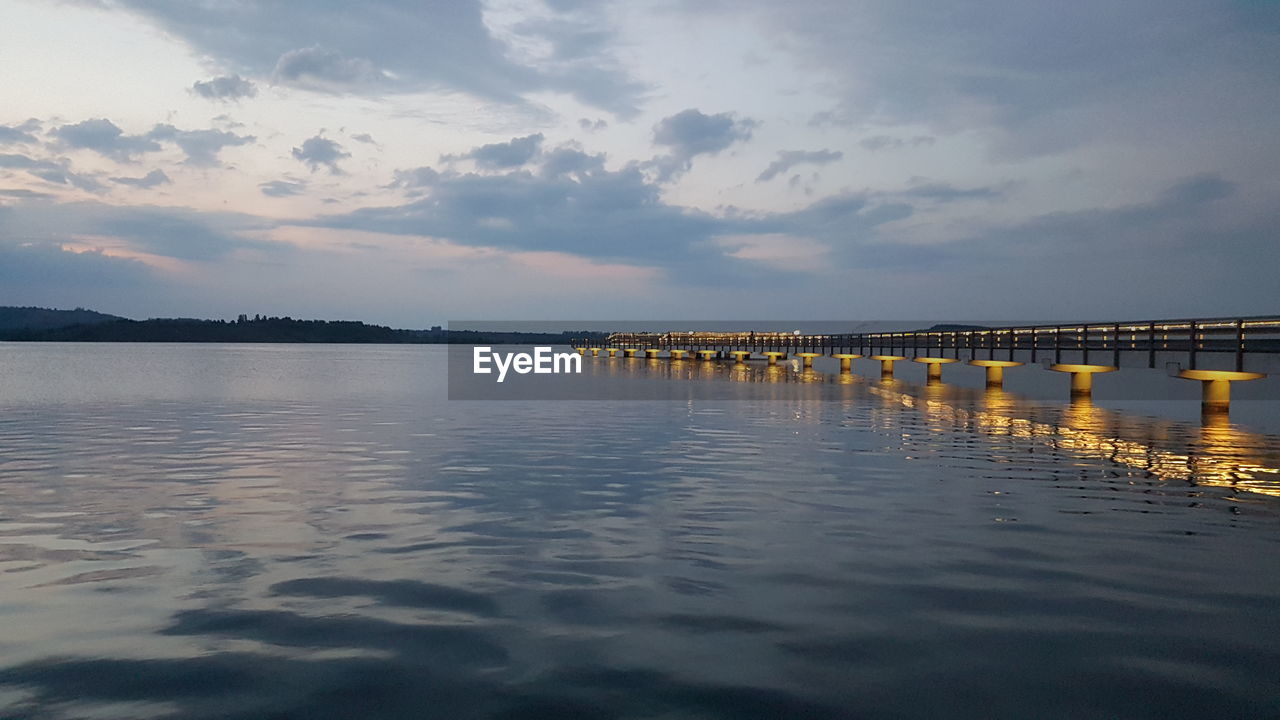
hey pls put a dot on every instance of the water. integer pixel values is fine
(316, 532)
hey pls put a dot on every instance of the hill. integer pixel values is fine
(37, 318)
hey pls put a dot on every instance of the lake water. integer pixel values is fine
(317, 532)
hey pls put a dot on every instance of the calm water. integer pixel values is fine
(316, 532)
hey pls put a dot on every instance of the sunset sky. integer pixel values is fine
(408, 163)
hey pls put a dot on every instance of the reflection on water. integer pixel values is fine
(221, 547)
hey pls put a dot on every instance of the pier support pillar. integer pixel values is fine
(995, 371)
(651, 353)
(935, 364)
(595, 352)
(886, 364)
(806, 358)
(708, 354)
(612, 351)
(1215, 392)
(630, 352)
(581, 350)
(846, 361)
(774, 356)
(1082, 377)
(740, 356)
(676, 354)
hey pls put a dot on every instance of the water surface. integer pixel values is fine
(316, 532)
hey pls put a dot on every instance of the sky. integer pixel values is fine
(414, 162)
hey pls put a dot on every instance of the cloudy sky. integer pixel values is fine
(411, 162)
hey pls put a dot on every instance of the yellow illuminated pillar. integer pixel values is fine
(741, 356)
(806, 358)
(995, 370)
(1215, 393)
(846, 360)
(935, 364)
(886, 363)
(1082, 376)
(774, 356)
(677, 354)
(707, 354)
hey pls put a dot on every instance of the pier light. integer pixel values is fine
(741, 356)
(806, 358)
(935, 366)
(774, 356)
(846, 360)
(1082, 376)
(886, 363)
(995, 370)
(1215, 392)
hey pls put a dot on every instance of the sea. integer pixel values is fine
(319, 531)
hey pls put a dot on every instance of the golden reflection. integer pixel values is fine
(1219, 455)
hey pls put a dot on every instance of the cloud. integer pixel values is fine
(318, 151)
(19, 134)
(364, 138)
(590, 125)
(170, 232)
(105, 138)
(29, 270)
(397, 46)
(150, 180)
(282, 188)
(788, 159)
(888, 142)
(945, 192)
(200, 146)
(315, 68)
(513, 153)
(691, 133)
(226, 87)
(23, 194)
(57, 171)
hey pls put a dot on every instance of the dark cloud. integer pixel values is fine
(691, 133)
(24, 133)
(57, 171)
(393, 46)
(945, 192)
(1036, 76)
(23, 194)
(590, 125)
(513, 153)
(105, 138)
(200, 146)
(165, 231)
(364, 138)
(320, 151)
(788, 159)
(282, 188)
(32, 269)
(889, 142)
(150, 180)
(315, 68)
(226, 87)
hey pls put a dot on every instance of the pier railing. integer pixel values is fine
(1240, 343)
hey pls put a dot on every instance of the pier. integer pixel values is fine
(1213, 351)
